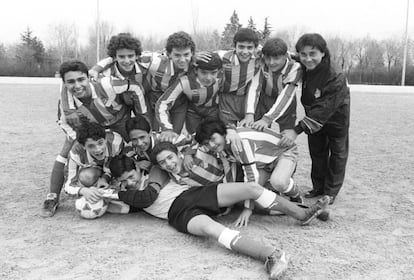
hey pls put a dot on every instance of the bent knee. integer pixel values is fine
(280, 184)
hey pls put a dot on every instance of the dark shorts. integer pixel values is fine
(193, 202)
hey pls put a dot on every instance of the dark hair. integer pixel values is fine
(88, 176)
(72, 65)
(207, 128)
(274, 47)
(138, 122)
(213, 64)
(179, 40)
(123, 41)
(120, 164)
(246, 35)
(314, 40)
(162, 146)
(89, 130)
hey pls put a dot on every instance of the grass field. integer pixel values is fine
(370, 234)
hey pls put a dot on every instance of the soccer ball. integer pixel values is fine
(88, 210)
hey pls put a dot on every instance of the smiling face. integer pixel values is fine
(310, 57)
(216, 143)
(181, 57)
(96, 148)
(126, 59)
(275, 63)
(140, 139)
(130, 179)
(245, 50)
(169, 161)
(76, 82)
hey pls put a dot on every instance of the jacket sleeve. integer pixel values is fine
(333, 95)
(102, 64)
(140, 198)
(165, 103)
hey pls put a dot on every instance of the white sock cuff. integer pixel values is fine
(227, 236)
(266, 198)
(290, 187)
(61, 159)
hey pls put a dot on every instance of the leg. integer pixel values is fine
(281, 179)
(319, 152)
(178, 113)
(275, 260)
(57, 179)
(339, 147)
(231, 193)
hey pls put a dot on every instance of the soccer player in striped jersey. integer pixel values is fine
(239, 67)
(190, 210)
(95, 147)
(124, 63)
(98, 102)
(200, 87)
(163, 71)
(272, 94)
(262, 158)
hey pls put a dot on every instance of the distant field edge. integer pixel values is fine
(354, 88)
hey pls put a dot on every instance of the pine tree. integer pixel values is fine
(267, 30)
(251, 25)
(229, 31)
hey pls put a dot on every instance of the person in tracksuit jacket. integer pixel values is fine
(326, 99)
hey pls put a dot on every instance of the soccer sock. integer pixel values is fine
(57, 177)
(233, 240)
(292, 190)
(269, 200)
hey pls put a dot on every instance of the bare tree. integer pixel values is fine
(64, 38)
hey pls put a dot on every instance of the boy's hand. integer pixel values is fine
(288, 138)
(91, 194)
(143, 165)
(244, 217)
(235, 141)
(168, 136)
(260, 125)
(72, 119)
(93, 75)
(247, 121)
(203, 56)
(188, 162)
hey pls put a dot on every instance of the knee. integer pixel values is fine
(253, 188)
(279, 184)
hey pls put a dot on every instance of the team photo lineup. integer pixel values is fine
(187, 136)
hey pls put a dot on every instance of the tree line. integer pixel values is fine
(364, 60)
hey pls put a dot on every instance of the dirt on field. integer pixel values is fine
(370, 234)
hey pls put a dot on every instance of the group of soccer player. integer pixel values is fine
(185, 136)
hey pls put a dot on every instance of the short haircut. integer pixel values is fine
(179, 40)
(274, 47)
(72, 65)
(88, 176)
(89, 130)
(160, 147)
(213, 64)
(207, 128)
(246, 35)
(313, 40)
(123, 41)
(138, 122)
(120, 164)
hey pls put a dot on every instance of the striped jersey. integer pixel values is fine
(259, 149)
(237, 75)
(104, 104)
(196, 93)
(108, 67)
(79, 158)
(281, 84)
(162, 73)
(209, 168)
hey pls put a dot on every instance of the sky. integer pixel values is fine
(346, 18)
